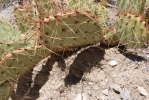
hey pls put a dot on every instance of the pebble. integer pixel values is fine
(142, 91)
(90, 83)
(105, 92)
(38, 68)
(113, 63)
(124, 94)
(116, 88)
(106, 80)
(103, 98)
(80, 97)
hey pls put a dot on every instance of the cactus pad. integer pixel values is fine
(130, 30)
(15, 64)
(70, 30)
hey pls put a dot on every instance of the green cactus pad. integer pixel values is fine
(69, 30)
(10, 38)
(15, 64)
(130, 30)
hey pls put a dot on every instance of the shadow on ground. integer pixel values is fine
(130, 55)
(82, 63)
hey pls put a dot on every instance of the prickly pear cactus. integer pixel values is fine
(35, 10)
(130, 30)
(78, 21)
(57, 33)
(62, 26)
(69, 30)
(15, 63)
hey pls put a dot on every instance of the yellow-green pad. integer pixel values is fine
(70, 30)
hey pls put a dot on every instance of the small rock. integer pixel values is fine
(116, 88)
(103, 98)
(113, 63)
(106, 80)
(90, 83)
(105, 92)
(125, 95)
(38, 68)
(80, 97)
(142, 91)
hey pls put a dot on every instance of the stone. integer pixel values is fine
(105, 92)
(113, 63)
(142, 91)
(116, 88)
(124, 94)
